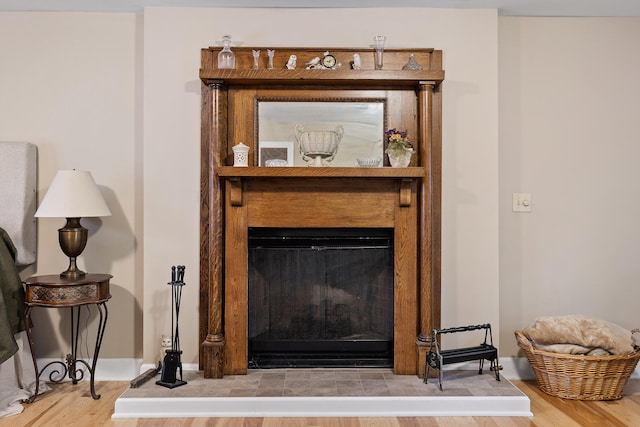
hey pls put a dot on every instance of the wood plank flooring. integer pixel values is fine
(69, 405)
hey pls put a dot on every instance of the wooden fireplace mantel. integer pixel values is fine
(233, 199)
(330, 172)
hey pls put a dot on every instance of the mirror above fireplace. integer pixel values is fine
(363, 122)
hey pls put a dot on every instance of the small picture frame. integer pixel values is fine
(275, 150)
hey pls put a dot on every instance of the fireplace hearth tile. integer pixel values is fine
(242, 392)
(324, 392)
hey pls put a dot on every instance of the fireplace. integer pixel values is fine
(320, 297)
(242, 206)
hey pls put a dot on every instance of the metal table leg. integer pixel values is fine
(70, 367)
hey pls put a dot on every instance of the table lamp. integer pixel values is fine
(73, 194)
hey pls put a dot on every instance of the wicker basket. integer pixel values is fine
(579, 377)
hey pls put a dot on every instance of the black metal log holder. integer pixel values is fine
(437, 358)
(172, 362)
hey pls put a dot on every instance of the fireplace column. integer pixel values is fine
(214, 131)
(430, 160)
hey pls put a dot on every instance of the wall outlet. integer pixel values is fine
(521, 202)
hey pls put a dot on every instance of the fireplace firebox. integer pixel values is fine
(320, 297)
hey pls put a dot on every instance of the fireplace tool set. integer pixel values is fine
(172, 361)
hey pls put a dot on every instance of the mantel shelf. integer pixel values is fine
(326, 172)
(369, 78)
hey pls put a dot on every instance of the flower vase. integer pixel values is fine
(400, 161)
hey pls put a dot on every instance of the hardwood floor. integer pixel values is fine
(69, 405)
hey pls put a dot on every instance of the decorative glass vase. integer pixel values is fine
(378, 45)
(412, 64)
(226, 58)
(400, 160)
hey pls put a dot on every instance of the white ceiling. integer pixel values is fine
(504, 7)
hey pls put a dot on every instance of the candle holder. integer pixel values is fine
(240, 155)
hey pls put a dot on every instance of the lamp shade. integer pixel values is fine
(73, 194)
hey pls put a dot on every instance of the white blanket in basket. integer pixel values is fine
(576, 334)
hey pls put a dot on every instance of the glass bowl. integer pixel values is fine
(368, 162)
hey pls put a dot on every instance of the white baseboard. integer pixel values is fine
(122, 369)
(117, 369)
(185, 366)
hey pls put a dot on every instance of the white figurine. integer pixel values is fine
(313, 64)
(256, 55)
(270, 53)
(357, 64)
(291, 63)
(165, 344)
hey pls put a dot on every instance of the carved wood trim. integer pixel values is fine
(405, 192)
(235, 191)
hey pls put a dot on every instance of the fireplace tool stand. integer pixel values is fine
(172, 360)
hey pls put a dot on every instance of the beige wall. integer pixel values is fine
(68, 84)
(119, 94)
(569, 114)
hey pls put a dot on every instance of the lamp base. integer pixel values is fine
(73, 239)
(73, 272)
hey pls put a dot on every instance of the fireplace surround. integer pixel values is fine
(235, 200)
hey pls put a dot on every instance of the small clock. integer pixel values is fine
(329, 61)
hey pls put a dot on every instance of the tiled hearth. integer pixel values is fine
(324, 392)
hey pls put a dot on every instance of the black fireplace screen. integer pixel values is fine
(320, 297)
